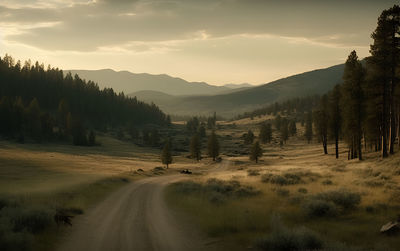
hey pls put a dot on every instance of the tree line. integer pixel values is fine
(44, 103)
(365, 109)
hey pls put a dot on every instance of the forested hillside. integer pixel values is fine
(43, 104)
(315, 82)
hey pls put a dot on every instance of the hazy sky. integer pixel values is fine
(216, 41)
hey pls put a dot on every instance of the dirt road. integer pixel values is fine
(135, 218)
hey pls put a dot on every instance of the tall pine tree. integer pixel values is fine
(352, 104)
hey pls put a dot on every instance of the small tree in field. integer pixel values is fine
(166, 156)
(249, 137)
(195, 147)
(255, 151)
(213, 146)
(265, 133)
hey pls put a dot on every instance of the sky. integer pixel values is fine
(215, 41)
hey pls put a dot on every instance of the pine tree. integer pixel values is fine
(335, 117)
(166, 156)
(309, 128)
(352, 104)
(255, 151)
(213, 146)
(278, 122)
(195, 147)
(292, 128)
(321, 122)
(284, 129)
(202, 130)
(383, 63)
(265, 133)
(248, 137)
(92, 138)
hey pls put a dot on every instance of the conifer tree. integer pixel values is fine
(92, 138)
(256, 151)
(284, 129)
(265, 133)
(292, 128)
(384, 63)
(335, 117)
(195, 147)
(166, 156)
(352, 104)
(249, 137)
(321, 122)
(309, 128)
(213, 146)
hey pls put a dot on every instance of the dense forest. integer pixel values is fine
(43, 104)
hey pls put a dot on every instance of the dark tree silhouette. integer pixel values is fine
(265, 133)
(321, 121)
(335, 117)
(256, 151)
(213, 146)
(195, 147)
(309, 128)
(248, 137)
(352, 104)
(166, 156)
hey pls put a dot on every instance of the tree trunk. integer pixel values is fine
(325, 147)
(359, 146)
(337, 147)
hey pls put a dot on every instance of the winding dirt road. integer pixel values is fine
(135, 218)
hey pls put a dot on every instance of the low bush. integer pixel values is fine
(282, 238)
(302, 190)
(19, 223)
(282, 180)
(327, 182)
(27, 219)
(342, 198)
(282, 192)
(320, 208)
(253, 172)
(217, 191)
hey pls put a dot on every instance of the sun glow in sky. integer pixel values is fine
(216, 41)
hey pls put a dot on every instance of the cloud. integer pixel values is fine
(89, 25)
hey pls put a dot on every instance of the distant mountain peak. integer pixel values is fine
(128, 82)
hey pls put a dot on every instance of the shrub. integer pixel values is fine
(186, 187)
(319, 208)
(342, 198)
(217, 191)
(14, 241)
(282, 238)
(33, 221)
(253, 172)
(282, 180)
(327, 182)
(302, 190)
(266, 177)
(282, 192)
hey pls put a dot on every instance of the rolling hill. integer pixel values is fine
(128, 82)
(241, 100)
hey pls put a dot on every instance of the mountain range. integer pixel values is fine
(128, 82)
(179, 97)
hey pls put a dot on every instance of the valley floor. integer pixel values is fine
(232, 205)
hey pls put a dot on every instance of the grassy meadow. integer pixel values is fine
(36, 180)
(294, 198)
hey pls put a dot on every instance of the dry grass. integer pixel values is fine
(243, 221)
